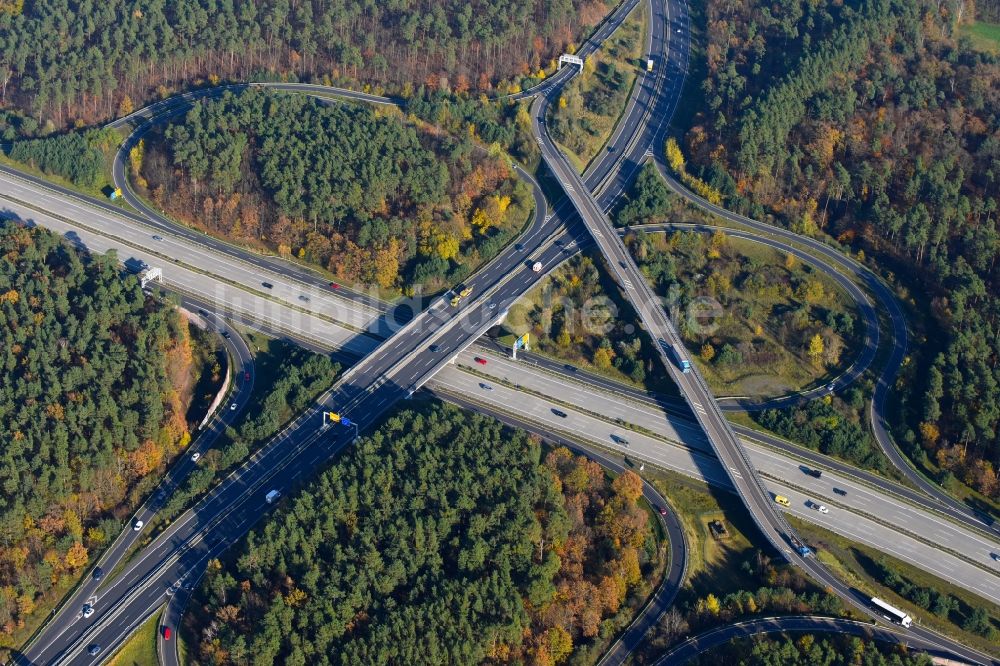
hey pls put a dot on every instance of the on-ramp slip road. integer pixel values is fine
(389, 373)
(890, 304)
(726, 445)
(68, 615)
(395, 368)
(677, 555)
(712, 638)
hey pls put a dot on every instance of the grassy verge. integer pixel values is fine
(209, 365)
(579, 316)
(140, 649)
(729, 570)
(99, 192)
(592, 103)
(984, 36)
(859, 566)
(761, 292)
(713, 565)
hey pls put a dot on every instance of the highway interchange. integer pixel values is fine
(659, 414)
(401, 365)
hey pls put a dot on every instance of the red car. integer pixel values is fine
(246, 375)
(334, 285)
(480, 361)
(166, 633)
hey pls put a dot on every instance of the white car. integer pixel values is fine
(88, 610)
(232, 407)
(821, 508)
(194, 457)
(137, 526)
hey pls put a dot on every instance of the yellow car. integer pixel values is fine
(465, 292)
(782, 500)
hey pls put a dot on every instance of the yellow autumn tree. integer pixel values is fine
(812, 291)
(707, 352)
(74, 527)
(929, 432)
(11, 7)
(446, 246)
(136, 155)
(563, 339)
(716, 244)
(816, 348)
(560, 643)
(295, 598)
(76, 557)
(603, 358)
(125, 107)
(675, 158)
(491, 213)
(386, 264)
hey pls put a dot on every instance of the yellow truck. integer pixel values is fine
(462, 292)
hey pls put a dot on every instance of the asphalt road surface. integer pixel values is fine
(705, 641)
(725, 443)
(391, 372)
(897, 351)
(863, 513)
(69, 615)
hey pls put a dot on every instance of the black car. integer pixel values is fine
(814, 473)
(558, 412)
(435, 348)
(98, 573)
(303, 298)
(267, 285)
(838, 491)
(94, 649)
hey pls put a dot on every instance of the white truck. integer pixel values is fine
(272, 496)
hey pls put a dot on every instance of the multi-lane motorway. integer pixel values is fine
(794, 624)
(391, 372)
(91, 591)
(727, 447)
(406, 361)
